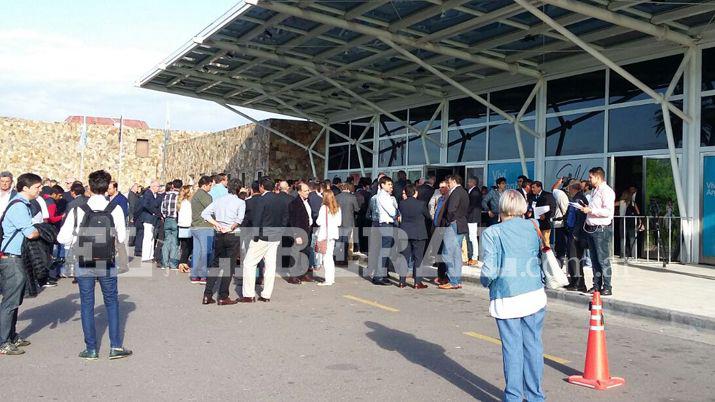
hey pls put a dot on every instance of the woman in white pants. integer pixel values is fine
(329, 221)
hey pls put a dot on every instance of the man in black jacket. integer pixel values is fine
(363, 195)
(576, 237)
(455, 220)
(149, 211)
(300, 220)
(348, 208)
(414, 214)
(541, 198)
(270, 216)
(474, 219)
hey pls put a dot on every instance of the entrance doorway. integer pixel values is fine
(440, 172)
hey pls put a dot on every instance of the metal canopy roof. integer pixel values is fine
(317, 59)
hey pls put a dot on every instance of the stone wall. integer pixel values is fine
(50, 150)
(244, 151)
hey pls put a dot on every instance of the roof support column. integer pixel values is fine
(517, 130)
(457, 85)
(603, 59)
(691, 158)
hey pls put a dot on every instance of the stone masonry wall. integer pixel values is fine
(289, 161)
(50, 150)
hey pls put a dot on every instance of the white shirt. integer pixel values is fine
(306, 204)
(518, 306)
(184, 219)
(562, 205)
(386, 206)
(96, 203)
(43, 214)
(602, 206)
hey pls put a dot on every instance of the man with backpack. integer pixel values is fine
(92, 235)
(16, 224)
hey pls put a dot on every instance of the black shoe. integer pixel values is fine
(606, 292)
(386, 280)
(593, 290)
(379, 282)
(50, 284)
(570, 287)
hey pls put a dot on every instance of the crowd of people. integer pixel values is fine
(295, 228)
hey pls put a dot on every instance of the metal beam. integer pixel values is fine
(383, 34)
(604, 14)
(603, 59)
(459, 86)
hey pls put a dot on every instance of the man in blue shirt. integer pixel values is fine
(219, 189)
(17, 226)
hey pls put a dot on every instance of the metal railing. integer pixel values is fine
(652, 238)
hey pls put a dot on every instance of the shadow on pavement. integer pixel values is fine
(49, 315)
(432, 357)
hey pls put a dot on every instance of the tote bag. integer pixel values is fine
(553, 274)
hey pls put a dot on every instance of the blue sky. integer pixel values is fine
(83, 57)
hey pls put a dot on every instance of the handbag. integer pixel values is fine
(321, 247)
(554, 276)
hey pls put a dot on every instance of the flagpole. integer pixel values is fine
(121, 146)
(166, 144)
(83, 145)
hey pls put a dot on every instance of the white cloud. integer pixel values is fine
(49, 77)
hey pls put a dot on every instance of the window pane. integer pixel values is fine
(358, 126)
(467, 145)
(367, 157)
(511, 101)
(392, 152)
(416, 154)
(575, 134)
(578, 92)
(656, 74)
(419, 117)
(502, 142)
(466, 111)
(708, 70)
(641, 128)
(342, 128)
(707, 125)
(338, 158)
(391, 127)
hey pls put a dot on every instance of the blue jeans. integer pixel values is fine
(170, 248)
(12, 285)
(203, 251)
(599, 245)
(108, 284)
(523, 355)
(453, 254)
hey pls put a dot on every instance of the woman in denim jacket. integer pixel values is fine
(512, 272)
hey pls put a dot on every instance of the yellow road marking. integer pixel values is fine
(498, 342)
(371, 303)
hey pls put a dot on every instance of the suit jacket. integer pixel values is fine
(545, 199)
(149, 208)
(414, 217)
(315, 201)
(474, 213)
(349, 207)
(270, 214)
(457, 208)
(248, 216)
(298, 218)
(397, 189)
(425, 192)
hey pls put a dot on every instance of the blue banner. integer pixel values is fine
(510, 171)
(708, 206)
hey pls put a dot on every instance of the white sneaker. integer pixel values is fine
(325, 284)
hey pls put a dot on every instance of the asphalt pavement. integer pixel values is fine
(351, 341)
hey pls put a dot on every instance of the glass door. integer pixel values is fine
(707, 240)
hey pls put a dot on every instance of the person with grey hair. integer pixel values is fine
(512, 272)
(6, 191)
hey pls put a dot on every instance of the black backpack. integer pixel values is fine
(2, 232)
(96, 235)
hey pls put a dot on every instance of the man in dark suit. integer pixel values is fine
(282, 190)
(315, 200)
(270, 216)
(149, 211)
(300, 220)
(363, 195)
(414, 213)
(348, 207)
(541, 198)
(474, 219)
(426, 190)
(400, 184)
(576, 238)
(455, 221)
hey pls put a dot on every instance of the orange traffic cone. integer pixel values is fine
(595, 374)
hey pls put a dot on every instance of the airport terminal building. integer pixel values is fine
(483, 88)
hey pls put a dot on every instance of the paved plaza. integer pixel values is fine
(352, 341)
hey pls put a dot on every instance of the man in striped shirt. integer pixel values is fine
(170, 212)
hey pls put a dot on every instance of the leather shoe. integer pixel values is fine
(226, 302)
(386, 280)
(294, 281)
(593, 290)
(421, 286)
(307, 278)
(246, 300)
(606, 292)
(263, 299)
(208, 300)
(379, 282)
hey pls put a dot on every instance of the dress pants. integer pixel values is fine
(600, 246)
(227, 248)
(148, 242)
(473, 242)
(12, 285)
(413, 253)
(258, 250)
(138, 238)
(575, 263)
